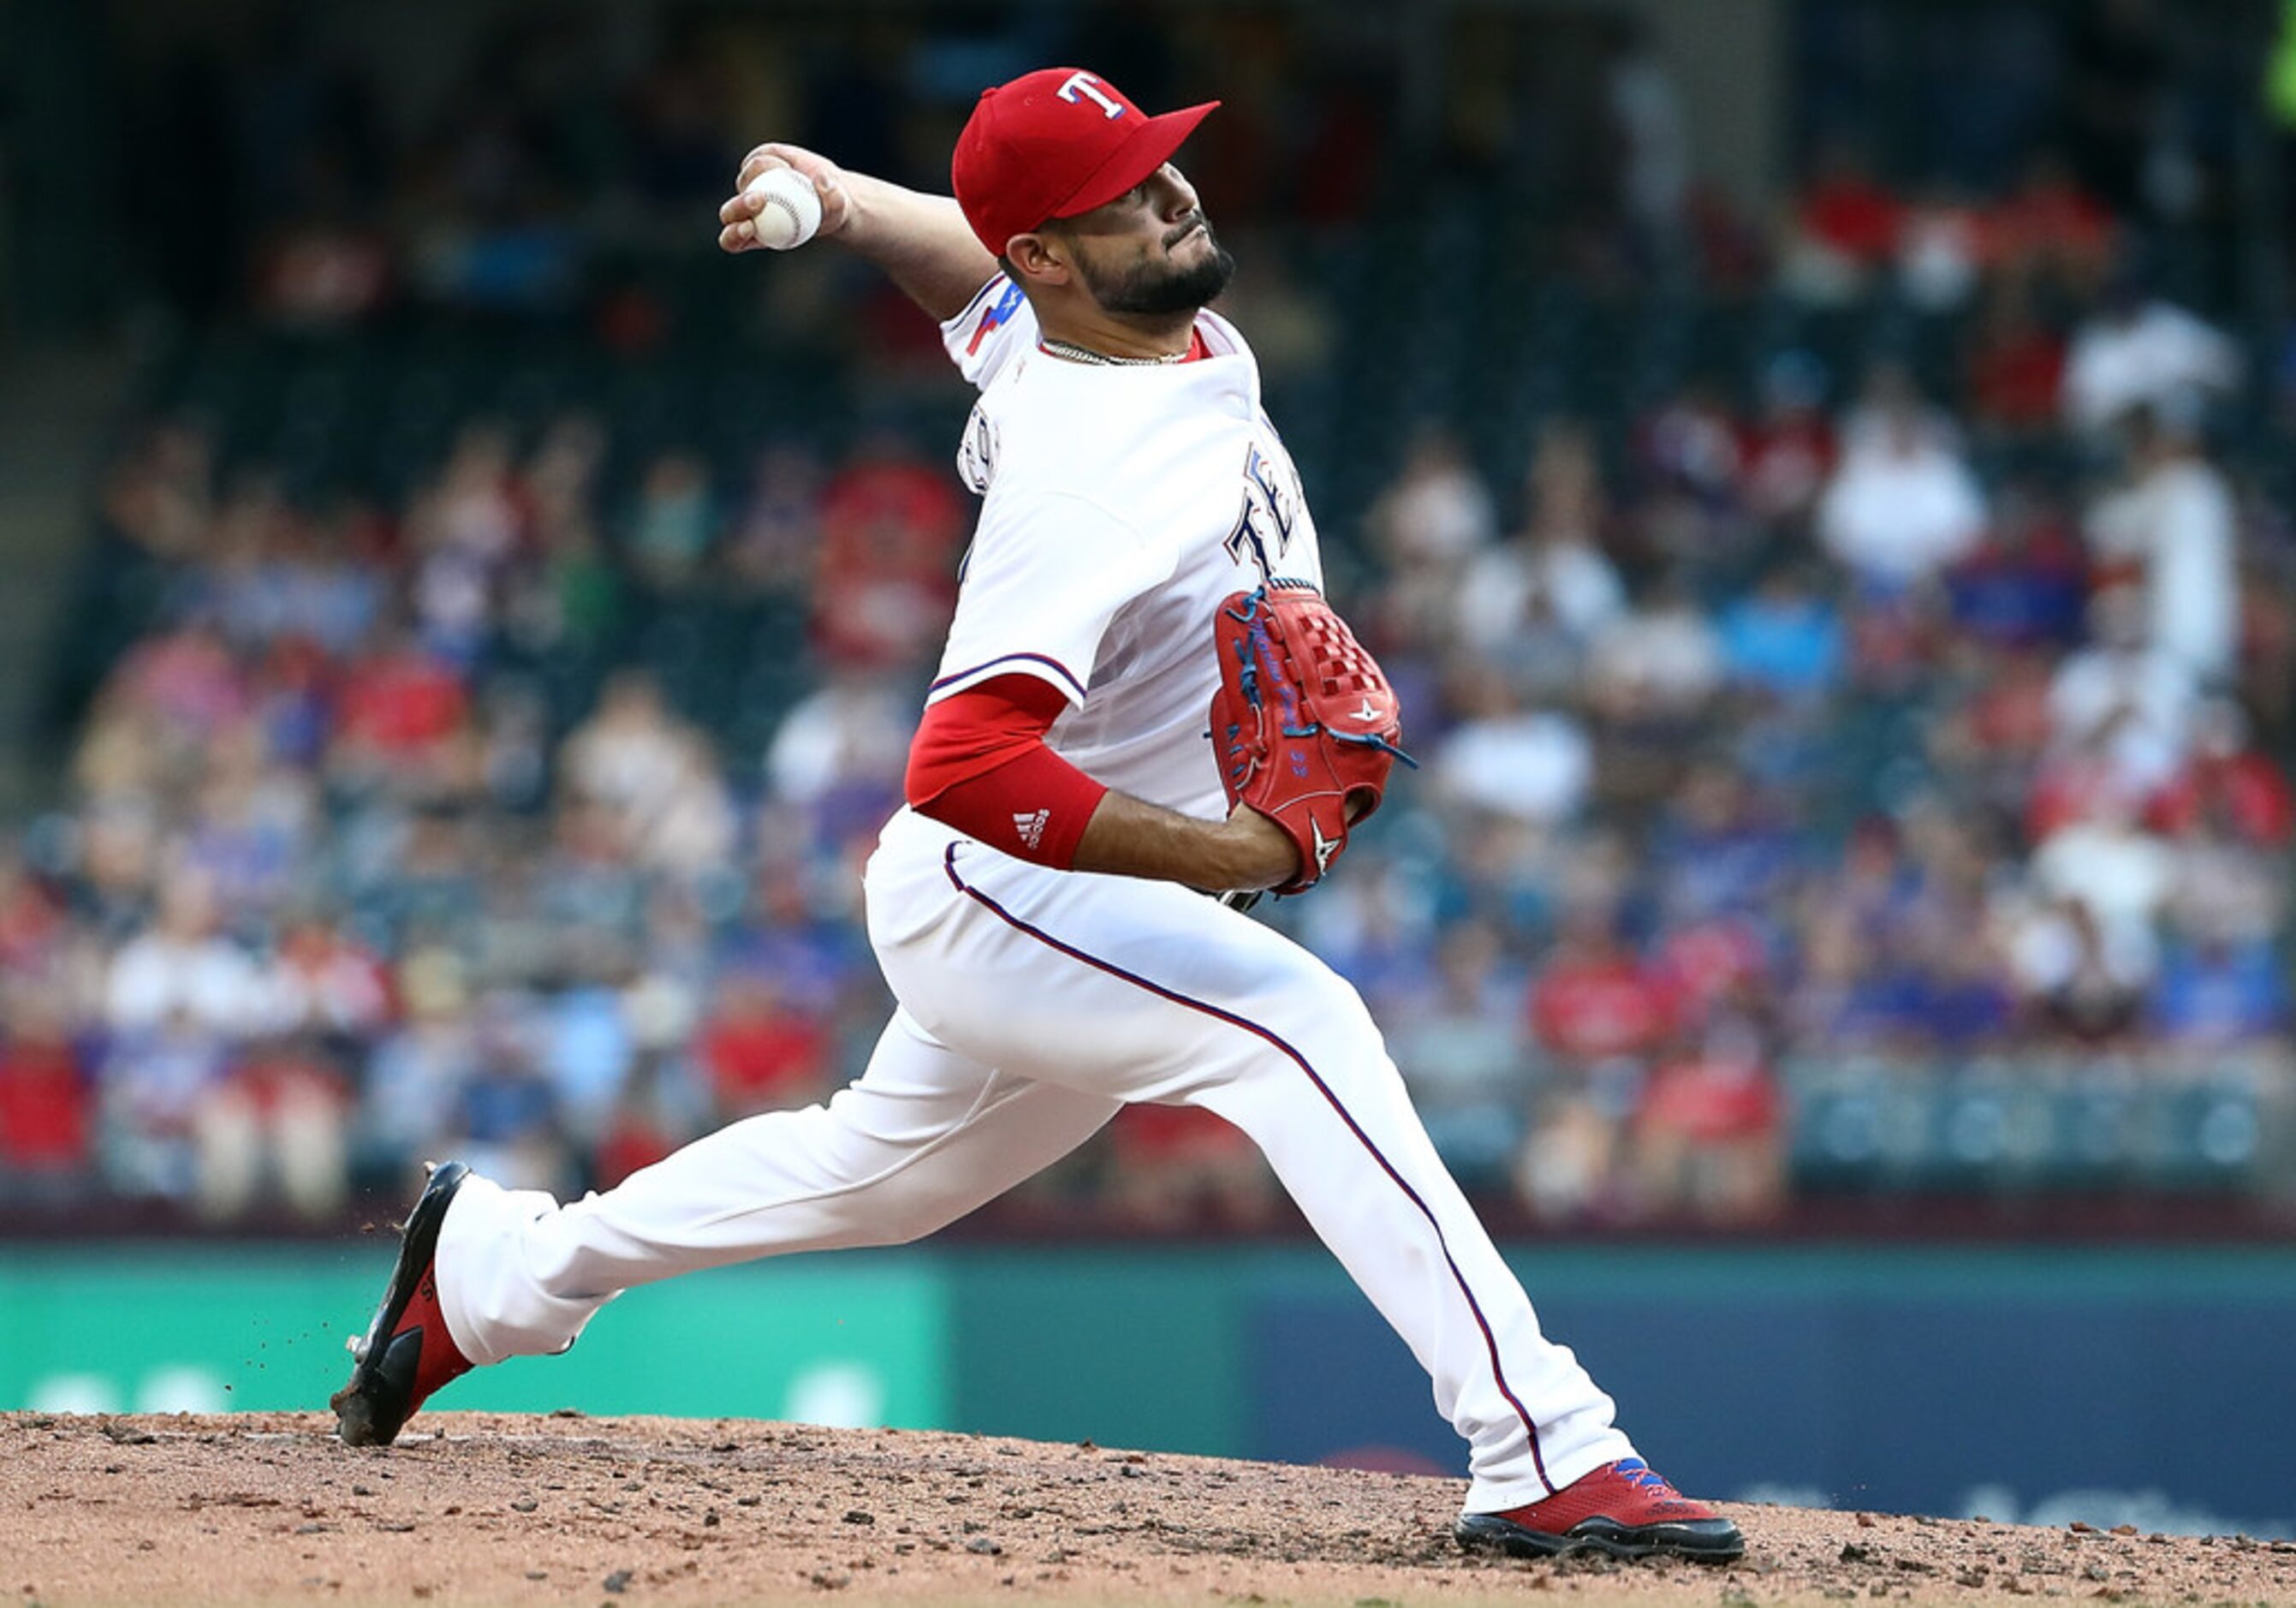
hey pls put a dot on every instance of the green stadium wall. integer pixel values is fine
(2146, 1386)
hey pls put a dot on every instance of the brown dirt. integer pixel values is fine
(499, 1508)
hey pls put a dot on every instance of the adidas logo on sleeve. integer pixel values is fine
(1030, 826)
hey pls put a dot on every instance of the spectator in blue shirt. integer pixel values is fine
(1784, 638)
(2210, 995)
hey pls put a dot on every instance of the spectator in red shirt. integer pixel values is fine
(2016, 364)
(1845, 225)
(642, 1128)
(1847, 208)
(1175, 1166)
(399, 703)
(1595, 999)
(887, 580)
(1709, 1136)
(632, 1142)
(2051, 224)
(2227, 778)
(1711, 959)
(44, 1099)
(761, 1054)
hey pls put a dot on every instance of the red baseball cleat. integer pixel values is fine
(1625, 1509)
(407, 1353)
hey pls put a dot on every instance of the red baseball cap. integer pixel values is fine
(1053, 143)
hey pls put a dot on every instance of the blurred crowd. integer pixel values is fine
(1816, 748)
(334, 895)
(1919, 709)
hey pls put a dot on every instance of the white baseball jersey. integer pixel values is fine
(1120, 505)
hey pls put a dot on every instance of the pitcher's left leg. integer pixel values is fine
(1152, 992)
(1332, 1117)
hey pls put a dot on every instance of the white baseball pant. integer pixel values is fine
(1034, 1004)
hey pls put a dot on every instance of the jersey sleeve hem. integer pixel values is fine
(1043, 667)
(1075, 648)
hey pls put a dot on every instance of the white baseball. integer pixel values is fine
(788, 208)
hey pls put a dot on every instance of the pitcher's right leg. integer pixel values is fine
(921, 1138)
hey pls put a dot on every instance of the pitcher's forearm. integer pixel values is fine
(921, 242)
(1131, 836)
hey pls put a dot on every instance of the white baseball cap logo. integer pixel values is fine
(1085, 86)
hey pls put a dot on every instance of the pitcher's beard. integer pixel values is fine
(1159, 289)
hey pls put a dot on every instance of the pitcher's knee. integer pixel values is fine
(1324, 1008)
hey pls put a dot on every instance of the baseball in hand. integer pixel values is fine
(788, 208)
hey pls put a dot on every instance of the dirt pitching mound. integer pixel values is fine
(476, 1507)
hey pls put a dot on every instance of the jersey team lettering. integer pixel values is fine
(1273, 503)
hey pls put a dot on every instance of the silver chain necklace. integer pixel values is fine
(1083, 354)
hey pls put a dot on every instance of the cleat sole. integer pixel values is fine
(1698, 1541)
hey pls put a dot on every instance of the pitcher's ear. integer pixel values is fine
(1037, 258)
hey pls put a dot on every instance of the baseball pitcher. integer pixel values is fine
(1144, 700)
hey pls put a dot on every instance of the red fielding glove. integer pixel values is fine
(1305, 726)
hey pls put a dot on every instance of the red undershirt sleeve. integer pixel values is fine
(978, 763)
